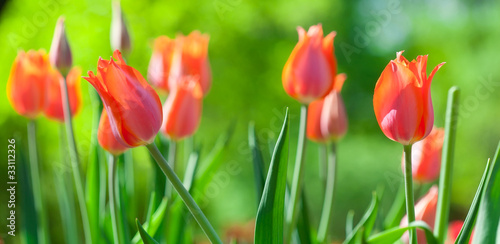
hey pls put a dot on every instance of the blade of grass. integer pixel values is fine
(155, 221)
(487, 224)
(146, 238)
(397, 210)
(258, 162)
(450, 128)
(467, 227)
(394, 234)
(349, 223)
(28, 215)
(270, 215)
(365, 225)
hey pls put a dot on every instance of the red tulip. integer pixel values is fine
(133, 107)
(161, 60)
(425, 210)
(182, 110)
(310, 71)
(426, 157)
(402, 100)
(327, 119)
(106, 138)
(54, 101)
(26, 84)
(194, 60)
(453, 231)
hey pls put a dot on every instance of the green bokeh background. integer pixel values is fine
(250, 42)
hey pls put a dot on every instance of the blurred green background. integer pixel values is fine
(250, 42)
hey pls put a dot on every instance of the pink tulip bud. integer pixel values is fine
(120, 39)
(60, 52)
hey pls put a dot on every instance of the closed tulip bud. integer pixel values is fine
(425, 210)
(133, 107)
(60, 52)
(194, 60)
(426, 157)
(161, 60)
(310, 71)
(402, 100)
(182, 110)
(327, 119)
(120, 38)
(54, 102)
(106, 138)
(453, 231)
(26, 84)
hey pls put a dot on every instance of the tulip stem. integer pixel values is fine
(410, 206)
(35, 181)
(172, 151)
(450, 128)
(184, 194)
(75, 162)
(298, 176)
(326, 214)
(116, 217)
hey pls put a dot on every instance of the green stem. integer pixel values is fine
(298, 176)
(113, 200)
(172, 151)
(443, 204)
(326, 214)
(184, 194)
(73, 152)
(410, 206)
(35, 180)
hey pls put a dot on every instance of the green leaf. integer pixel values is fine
(365, 225)
(258, 162)
(270, 215)
(146, 238)
(349, 223)
(155, 222)
(397, 211)
(467, 227)
(303, 226)
(394, 234)
(487, 225)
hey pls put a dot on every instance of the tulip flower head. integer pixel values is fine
(161, 60)
(310, 71)
(106, 138)
(26, 84)
(327, 118)
(54, 102)
(425, 210)
(182, 110)
(402, 100)
(120, 38)
(133, 107)
(60, 52)
(426, 157)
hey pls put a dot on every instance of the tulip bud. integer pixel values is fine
(425, 210)
(426, 157)
(133, 107)
(54, 102)
(106, 138)
(453, 231)
(26, 84)
(182, 110)
(310, 71)
(161, 60)
(120, 39)
(60, 52)
(402, 100)
(327, 119)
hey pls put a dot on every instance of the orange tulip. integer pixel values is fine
(182, 110)
(161, 60)
(425, 210)
(133, 107)
(106, 138)
(453, 231)
(327, 119)
(310, 71)
(426, 156)
(54, 102)
(26, 84)
(402, 100)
